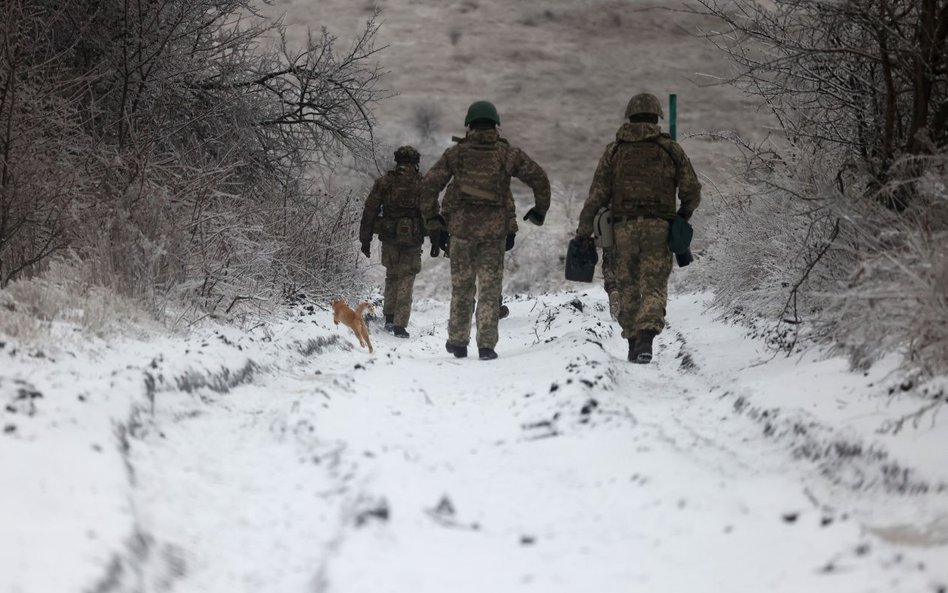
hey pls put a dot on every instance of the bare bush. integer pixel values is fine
(837, 234)
(175, 144)
(427, 120)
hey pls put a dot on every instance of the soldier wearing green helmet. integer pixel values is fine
(392, 211)
(641, 177)
(478, 209)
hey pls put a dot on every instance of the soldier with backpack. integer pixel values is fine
(639, 177)
(392, 211)
(479, 209)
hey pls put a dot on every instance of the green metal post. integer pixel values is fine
(673, 116)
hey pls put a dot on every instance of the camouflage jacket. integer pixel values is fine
(478, 203)
(395, 195)
(640, 174)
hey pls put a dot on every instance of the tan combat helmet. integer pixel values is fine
(644, 103)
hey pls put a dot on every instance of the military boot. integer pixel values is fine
(399, 331)
(389, 322)
(504, 311)
(641, 352)
(457, 351)
(486, 353)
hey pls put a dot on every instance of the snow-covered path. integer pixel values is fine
(557, 467)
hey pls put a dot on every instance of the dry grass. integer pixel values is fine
(63, 302)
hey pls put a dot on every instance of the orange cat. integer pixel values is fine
(342, 313)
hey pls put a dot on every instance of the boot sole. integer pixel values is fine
(643, 359)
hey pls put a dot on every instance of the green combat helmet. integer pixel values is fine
(481, 110)
(644, 103)
(407, 154)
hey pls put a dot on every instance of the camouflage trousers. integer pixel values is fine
(642, 265)
(609, 280)
(608, 269)
(402, 264)
(476, 266)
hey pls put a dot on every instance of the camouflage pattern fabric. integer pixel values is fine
(395, 195)
(478, 203)
(608, 269)
(475, 265)
(402, 264)
(638, 175)
(642, 266)
(609, 280)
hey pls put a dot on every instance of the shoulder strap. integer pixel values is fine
(662, 141)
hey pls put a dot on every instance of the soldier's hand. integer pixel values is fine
(535, 216)
(509, 244)
(367, 248)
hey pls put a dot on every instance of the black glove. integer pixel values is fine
(535, 216)
(511, 237)
(366, 248)
(684, 259)
(683, 214)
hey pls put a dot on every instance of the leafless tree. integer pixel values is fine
(178, 139)
(838, 229)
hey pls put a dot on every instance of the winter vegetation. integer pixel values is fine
(174, 150)
(840, 233)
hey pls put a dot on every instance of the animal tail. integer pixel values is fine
(360, 310)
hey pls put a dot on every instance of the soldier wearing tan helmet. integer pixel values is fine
(392, 212)
(478, 208)
(641, 177)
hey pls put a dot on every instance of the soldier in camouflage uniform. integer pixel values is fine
(639, 176)
(392, 211)
(479, 208)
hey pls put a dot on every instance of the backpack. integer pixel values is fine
(644, 180)
(482, 169)
(401, 216)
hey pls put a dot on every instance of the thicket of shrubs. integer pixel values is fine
(173, 148)
(843, 226)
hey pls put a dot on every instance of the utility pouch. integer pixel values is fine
(407, 231)
(476, 195)
(602, 228)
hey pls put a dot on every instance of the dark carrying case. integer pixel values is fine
(581, 260)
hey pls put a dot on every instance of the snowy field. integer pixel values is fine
(281, 457)
(285, 458)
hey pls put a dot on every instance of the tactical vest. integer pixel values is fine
(401, 216)
(482, 169)
(644, 183)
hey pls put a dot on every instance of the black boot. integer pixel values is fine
(504, 311)
(486, 353)
(642, 352)
(389, 322)
(399, 331)
(457, 351)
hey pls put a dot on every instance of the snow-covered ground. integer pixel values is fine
(285, 458)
